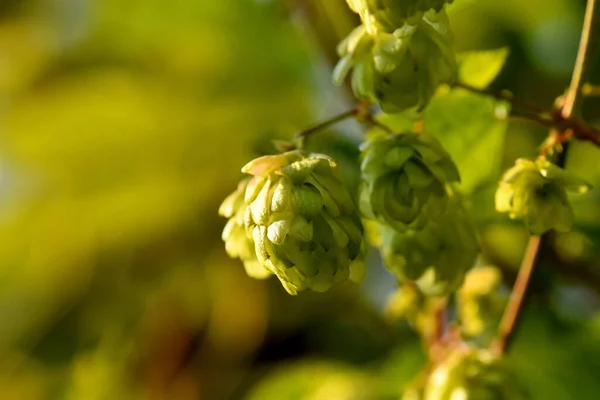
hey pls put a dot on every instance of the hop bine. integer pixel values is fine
(404, 179)
(301, 221)
(400, 69)
(437, 257)
(535, 191)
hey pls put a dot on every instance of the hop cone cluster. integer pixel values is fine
(398, 68)
(389, 15)
(436, 257)
(535, 191)
(404, 179)
(481, 301)
(298, 219)
(473, 374)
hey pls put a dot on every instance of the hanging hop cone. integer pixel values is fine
(237, 243)
(535, 191)
(399, 70)
(389, 15)
(473, 374)
(404, 179)
(301, 220)
(437, 257)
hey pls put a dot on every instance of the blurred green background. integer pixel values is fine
(123, 125)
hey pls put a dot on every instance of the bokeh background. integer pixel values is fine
(123, 125)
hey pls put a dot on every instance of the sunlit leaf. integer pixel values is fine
(471, 127)
(480, 68)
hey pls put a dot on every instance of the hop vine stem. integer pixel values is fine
(571, 109)
(506, 96)
(553, 118)
(361, 112)
(326, 124)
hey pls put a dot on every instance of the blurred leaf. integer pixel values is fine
(314, 380)
(480, 68)
(402, 366)
(471, 127)
(557, 360)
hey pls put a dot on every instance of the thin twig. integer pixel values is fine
(326, 124)
(513, 308)
(547, 117)
(506, 96)
(571, 108)
(527, 116)
(590, 90)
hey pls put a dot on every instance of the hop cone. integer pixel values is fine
(302, 222)
(388, 15)
(536, 192)
(481, 301)
(399, 70)
(404, 179)
(473, 374)
(437, 257)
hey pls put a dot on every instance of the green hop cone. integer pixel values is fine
(237, 243)
(481, 301)
(404, 179)
(535, 191)
(437, 257)
(388, 15)
(399, 70)
(303, 221)
(468, 373)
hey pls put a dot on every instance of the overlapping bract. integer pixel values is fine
(404, 179)
(535, 191)
(481, 301)
(237, 243)
(399, 68)
(301, 220)
(436, 257)
(473, 374)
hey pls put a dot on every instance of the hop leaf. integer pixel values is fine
(301, 220)
(473, 374)
(404, 179)
(437, 257)
(399, 70)
(536, 192)
(388, 15)
(481, 301)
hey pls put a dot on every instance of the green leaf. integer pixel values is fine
(471, 128)
(313, 380)
(480, 68)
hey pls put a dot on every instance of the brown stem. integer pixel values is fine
(513, 308)
(551, 118)
(506, 96)
(532, 117)
(326, 124)
(571, 108)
